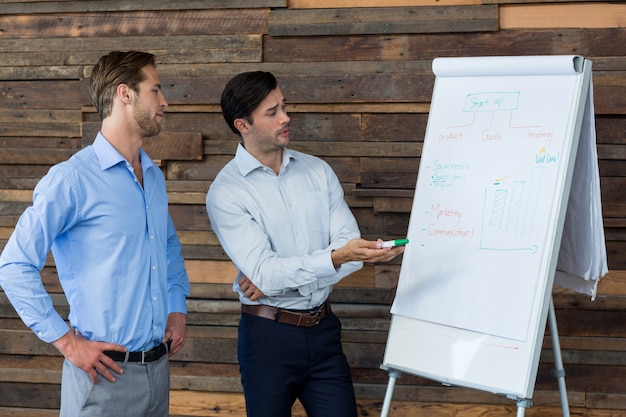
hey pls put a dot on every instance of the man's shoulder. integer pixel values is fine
(228, 171)
(229, 176)
(83, 159)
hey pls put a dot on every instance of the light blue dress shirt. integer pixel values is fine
(279, 230)
(116, 251)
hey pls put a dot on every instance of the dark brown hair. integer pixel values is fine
(243, 94)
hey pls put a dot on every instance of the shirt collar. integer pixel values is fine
(247, 163)
(108, 156)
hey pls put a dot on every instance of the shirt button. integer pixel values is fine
(154, 298)
(151, 237)
(153, 268)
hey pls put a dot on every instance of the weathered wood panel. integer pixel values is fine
(289, 22)
(342, 87)
(539, 16)
(69, 6)
(34, 54)
(119, 23)
(326, 4)
(592, 43)
(28, 95)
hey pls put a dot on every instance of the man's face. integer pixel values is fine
(149, 104)
(270, 123)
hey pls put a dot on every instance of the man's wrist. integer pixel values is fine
(337, 257)
(63, 342)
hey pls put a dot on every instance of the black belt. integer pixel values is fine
(144, 356)
(293, 317)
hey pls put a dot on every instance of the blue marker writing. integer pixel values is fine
(392, 243)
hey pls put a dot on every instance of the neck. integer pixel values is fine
(271, 159)
(127, 143)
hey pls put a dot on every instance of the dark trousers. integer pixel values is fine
(280, 363)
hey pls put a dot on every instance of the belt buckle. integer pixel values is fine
(317, 315)
(143, 357)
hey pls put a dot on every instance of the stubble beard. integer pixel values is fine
(146, 122)
(148, 126)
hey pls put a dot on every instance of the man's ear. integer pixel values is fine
(242, 125)
(124, 93)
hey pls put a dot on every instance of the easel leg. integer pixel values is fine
(559, 371)
(393, 375)
(522, 405)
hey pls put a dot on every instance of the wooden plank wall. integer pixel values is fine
(357, 77)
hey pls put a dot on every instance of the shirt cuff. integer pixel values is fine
(51, 328)
(177, 303)
(323, 268)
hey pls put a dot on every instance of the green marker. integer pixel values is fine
(392, 243)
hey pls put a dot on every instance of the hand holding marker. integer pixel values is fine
(392, 243)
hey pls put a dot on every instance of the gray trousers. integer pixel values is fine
(141, 391)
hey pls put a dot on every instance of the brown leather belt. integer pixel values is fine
(293, 317)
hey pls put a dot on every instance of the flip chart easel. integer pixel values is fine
(522, 403)
(488, 216)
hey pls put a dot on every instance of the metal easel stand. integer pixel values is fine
(558, 372)
(393, 375)
(522, 405)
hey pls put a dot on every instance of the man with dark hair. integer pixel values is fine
(104, 214)
(281, 218)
